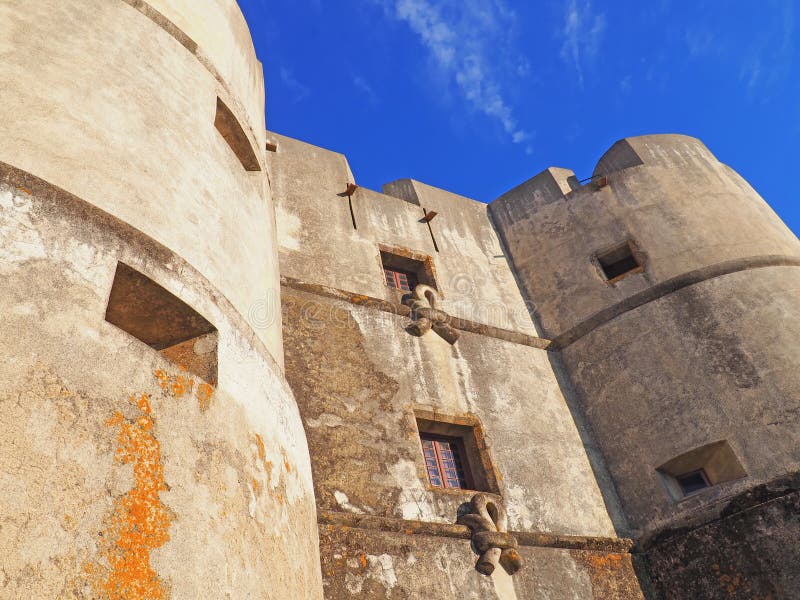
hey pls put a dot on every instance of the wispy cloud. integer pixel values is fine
(769, 58)
(467, 41)
(298, 91)
(582, 35)
(365, 88)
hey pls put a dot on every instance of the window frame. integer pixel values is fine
(605, 260)
(413, 264)
(719, 462)
(411, 279)
(704, 476)
(460, 454)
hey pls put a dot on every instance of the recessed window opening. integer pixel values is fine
(693, 482)
(444, 461)
(404, 272)
(148, 312)
(619, 262)
(701, 468)
(455, 454)
(230, 128)
(400, 280)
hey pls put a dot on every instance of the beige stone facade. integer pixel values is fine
(215, 385)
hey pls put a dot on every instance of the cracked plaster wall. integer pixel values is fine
(123, 476)
(710, 358)
(106, 103)
(318, 244)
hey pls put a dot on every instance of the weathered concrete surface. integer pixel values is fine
(700, 347)
(223, 38)
(361, 563)
(358, 377)
(318, 243)
(729, 372)
(748, 552)
(105, 103)
(683, 208)
(122, 475)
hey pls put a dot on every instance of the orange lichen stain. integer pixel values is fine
(605, 561)
(163, 379)
(262, 455)
(731, 581)
(204, 394)
(262, 450)
(181, 385)
(286, 464)
(362, 559)
(178, 385)
(26, 190)
(140, 521)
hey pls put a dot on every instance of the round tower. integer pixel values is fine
(671, 290)
(151, 447)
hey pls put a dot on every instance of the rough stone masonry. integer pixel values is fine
(230, 372)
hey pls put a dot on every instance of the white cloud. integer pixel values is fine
(298, 90)
(468, 41)
(582, 34)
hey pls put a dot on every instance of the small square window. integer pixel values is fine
(693, 482)
(619, 262)
(444, 461)
(455, 453)
(700, 469)
(403, 270)
(400, 280)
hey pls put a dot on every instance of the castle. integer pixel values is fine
(230, 372)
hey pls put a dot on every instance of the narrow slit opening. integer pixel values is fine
(231, 130)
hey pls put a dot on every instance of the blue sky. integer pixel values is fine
(476, 96)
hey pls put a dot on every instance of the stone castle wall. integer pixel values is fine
(697, 348)
(130, 469)
(362, 382)
(210, 390)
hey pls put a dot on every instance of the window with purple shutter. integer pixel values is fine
(400, 280)
(444, 461)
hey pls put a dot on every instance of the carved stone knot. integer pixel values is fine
(488, 522)
(426, 316)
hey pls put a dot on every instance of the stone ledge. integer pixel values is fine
(525, 538)
(665, 288)
(515, 337)
(187, 42)
(56, 201)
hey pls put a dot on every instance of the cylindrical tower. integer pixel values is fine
(151, 447)
(671, 289)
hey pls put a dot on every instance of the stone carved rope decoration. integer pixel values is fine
(488, 522)
(426, 316)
